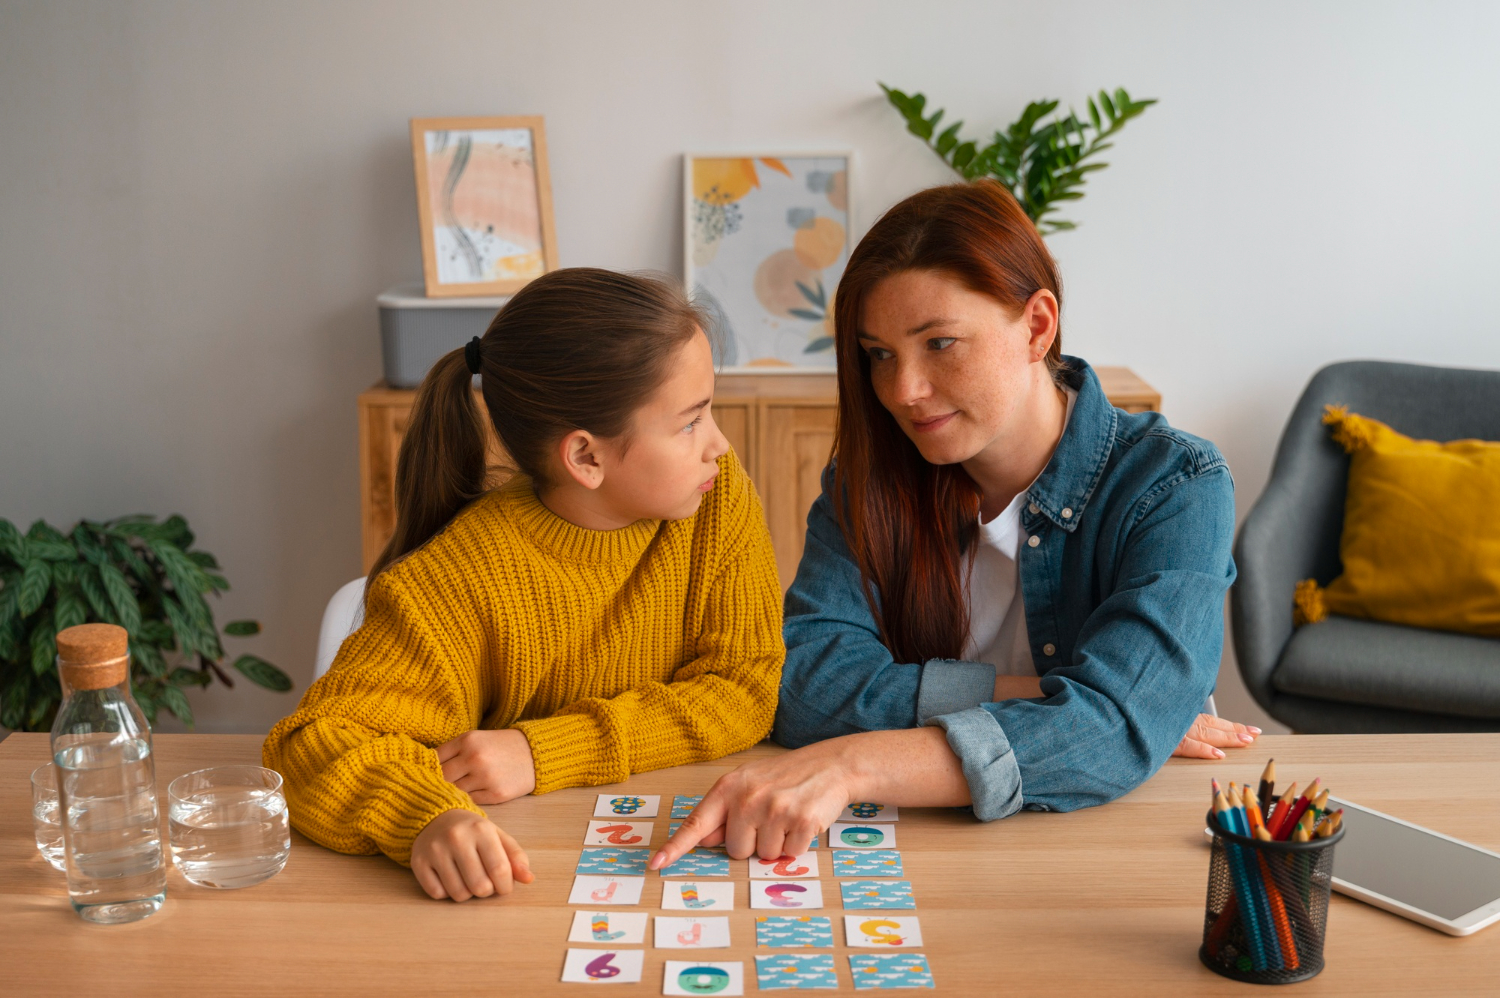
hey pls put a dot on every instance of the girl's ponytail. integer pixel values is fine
(440, 468)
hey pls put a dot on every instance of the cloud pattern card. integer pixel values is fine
(703, 978)
(890, 970)
(628, 806)
(793, 931)
(588, 890)
(595, 966)
(877, 894)
(776, 894)
(619, 833)
(786, 971)
(619, 862)
(867, 863)
(860, 813)
(691, 932)
(699, 862)
(696, 895)
(844, 836)
(785, 868)
(882, 931)
(619, 928)
(683, 804)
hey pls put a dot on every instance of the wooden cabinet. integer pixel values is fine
(781, 426)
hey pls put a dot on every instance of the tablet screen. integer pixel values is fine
(1407, 864)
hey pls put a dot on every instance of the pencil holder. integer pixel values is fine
(1267, 911)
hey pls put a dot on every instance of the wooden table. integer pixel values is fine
(1103, 901)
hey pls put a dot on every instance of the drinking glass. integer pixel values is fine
(228, 825)
(44, 815)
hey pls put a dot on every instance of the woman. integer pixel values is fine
(1011, 593)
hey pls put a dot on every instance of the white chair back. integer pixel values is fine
(343, 616)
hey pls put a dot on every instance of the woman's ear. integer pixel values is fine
(581, 457)
(1041, 319)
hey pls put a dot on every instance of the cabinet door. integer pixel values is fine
(795, 441)
(735, 418)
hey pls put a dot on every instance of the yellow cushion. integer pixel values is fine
(1421, 542)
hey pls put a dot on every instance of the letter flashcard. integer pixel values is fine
(793, 931)
(595, 966)
(785, 868)
(618, 928)
(842, 836)
(786, 895)
(627, 806)
(619, 833)
(861, 813)
(882, 931)
(703, 978)
(625, 862)
(890, 970)
(801, 972)
(692, 932)
(589, 890)
(698, 895)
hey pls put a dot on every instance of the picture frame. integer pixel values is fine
(484, 202)
(766, 236)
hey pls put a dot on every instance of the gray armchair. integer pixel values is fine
(1344, 675)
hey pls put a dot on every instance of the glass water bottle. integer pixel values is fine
(106, 781)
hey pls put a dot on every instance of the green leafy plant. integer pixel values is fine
(1041, 162)
(135, 572)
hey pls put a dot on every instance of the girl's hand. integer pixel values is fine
(492, 766)
(1209, 735)
(461, 854)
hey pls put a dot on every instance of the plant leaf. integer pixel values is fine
(43, 644)
(121, 596)
(93, 591)
(11, 542)
(803, 313)
(263, 673)
(69, 611)
(242, 628)
(36, 580)
(819, 345)
(174, 700)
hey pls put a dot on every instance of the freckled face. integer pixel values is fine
(952, 366)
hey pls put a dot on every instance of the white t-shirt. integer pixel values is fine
(997, 610)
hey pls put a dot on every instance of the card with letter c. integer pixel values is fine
(703, 978)
(619, 833)
(618, 928)
(603, 966)
(627, 806)
(589, 890)
(785, 867)
(882, 931)
(786, 895)
(847, 836)
(698, 895)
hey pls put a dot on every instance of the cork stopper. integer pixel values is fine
(93, 656)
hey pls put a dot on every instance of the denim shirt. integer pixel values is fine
(1124, 566)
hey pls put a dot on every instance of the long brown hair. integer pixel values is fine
(579, 348)
(909, 522)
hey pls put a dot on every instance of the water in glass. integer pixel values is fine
(44, 815)
(229, 825)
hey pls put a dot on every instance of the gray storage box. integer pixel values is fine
(416, 330)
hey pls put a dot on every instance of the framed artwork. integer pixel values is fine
(766, 240)
(485, 203)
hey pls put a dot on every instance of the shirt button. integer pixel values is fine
(1034, 508)
(1067, 513)
(1033, 540)
(1049, 649)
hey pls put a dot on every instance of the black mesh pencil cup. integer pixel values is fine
(1267, 911)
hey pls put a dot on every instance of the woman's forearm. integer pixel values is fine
(908, 768)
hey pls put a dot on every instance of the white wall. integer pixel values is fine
(199, 202)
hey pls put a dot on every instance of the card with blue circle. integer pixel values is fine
(627, 805)
(793, 931)
(787, 972)
(695, 977)
(699, 862)
(859, 836)
(867, 863)
(609, 860)
(890, 970)
(877, 894)
(683, 804)
(862, 812)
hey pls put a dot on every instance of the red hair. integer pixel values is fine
(908, 522)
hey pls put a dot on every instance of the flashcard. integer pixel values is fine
(691, 895)
(622, 928)
(845, 836)
(619, 833)
(877, 894)
(785, 868)
(786, 894)
(793, 931)
(592, 966)
(606, 890)
(867, 863)
(699, 862)
(672, 830)
(682, 805)
(871, 812)
(624, 862)
(685, 978)
(627, 806)
(691, 932)
(785, 971)
(881, 931)
(890, 970)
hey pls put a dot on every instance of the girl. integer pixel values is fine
(1012, 593)
(614, 608)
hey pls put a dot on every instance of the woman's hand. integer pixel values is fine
(1209, 735)
(461, 854)
(492, 766)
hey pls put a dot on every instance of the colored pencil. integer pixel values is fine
(1320, 805)
(1224, 813)
(1261, 905)
(1278, 907)
(1285, 826)
(1264, 793)
(1283, 803)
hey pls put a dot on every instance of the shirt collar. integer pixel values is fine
(1062, 491)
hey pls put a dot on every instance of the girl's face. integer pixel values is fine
(953, 367)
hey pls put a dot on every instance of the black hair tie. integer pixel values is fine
(471, 355)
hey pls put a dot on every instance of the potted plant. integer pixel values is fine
(135, 572)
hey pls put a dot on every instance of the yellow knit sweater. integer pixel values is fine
(614, 652)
